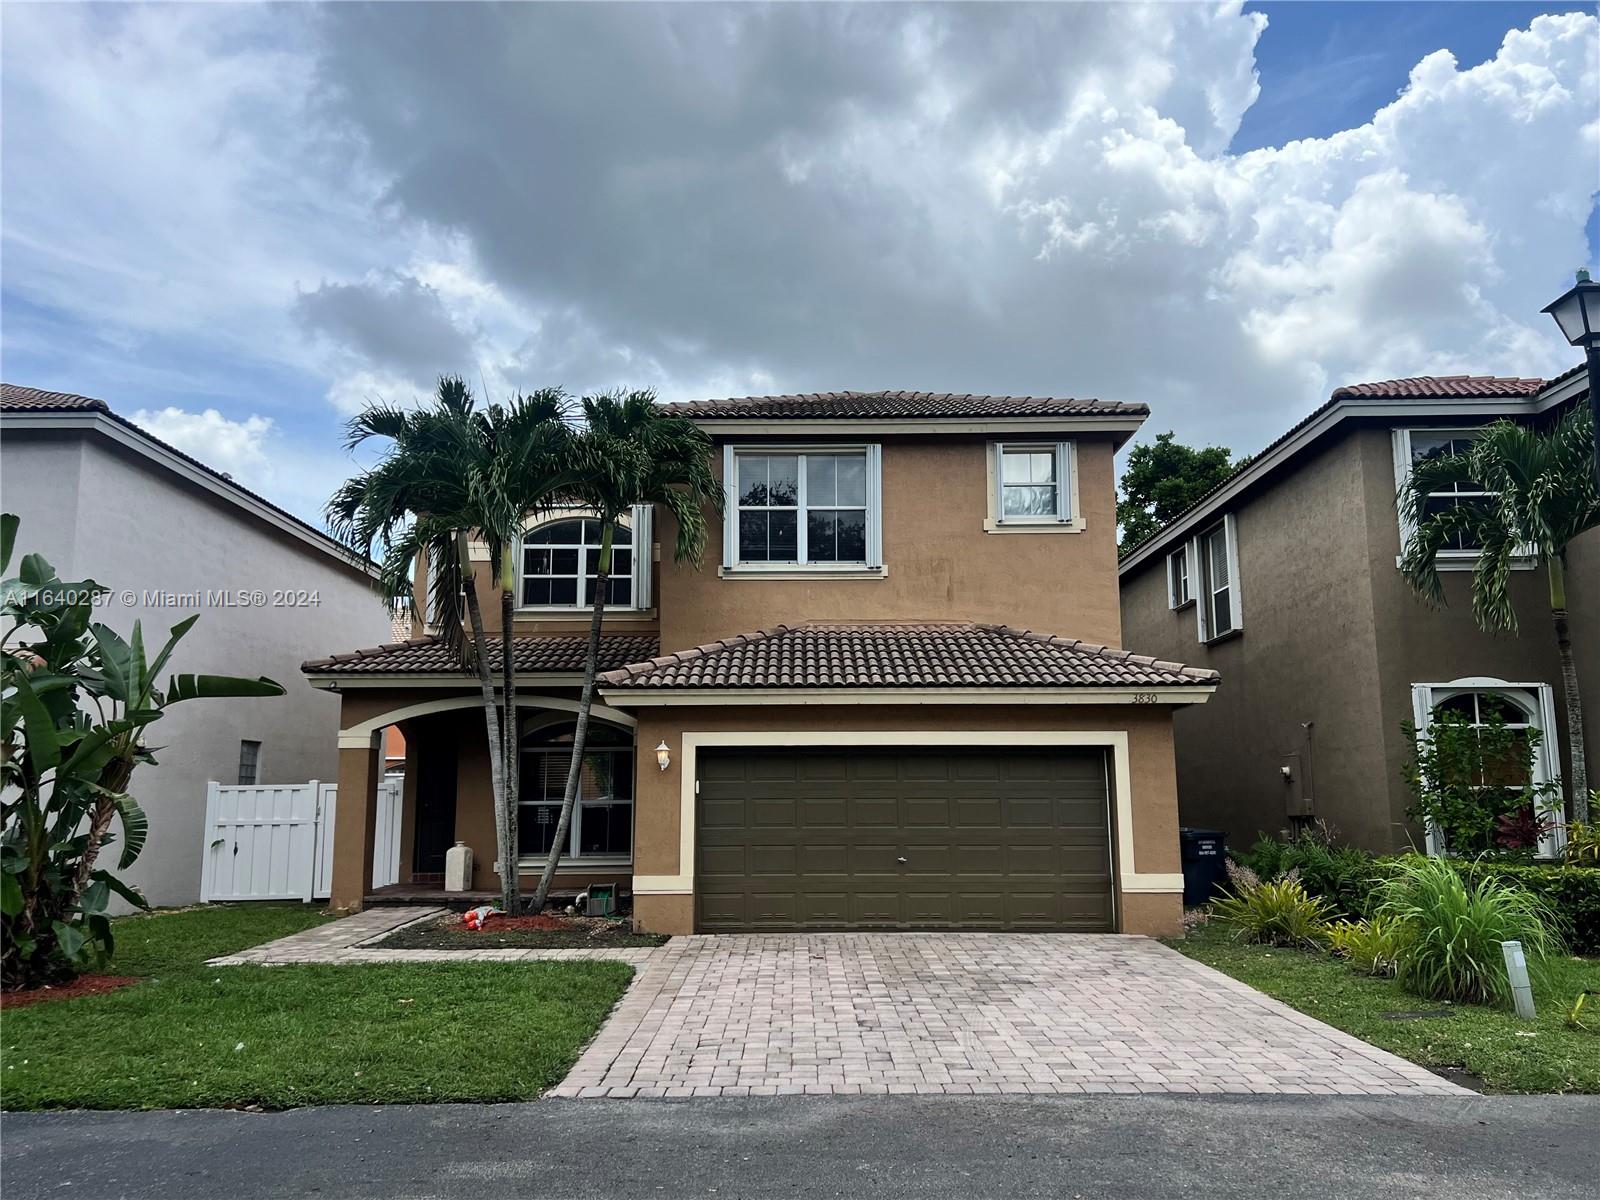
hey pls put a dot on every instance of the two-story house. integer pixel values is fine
(1285, 578)
(891, 698)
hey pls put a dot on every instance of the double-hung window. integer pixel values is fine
(1033, 483)
(1179, 590)
(1414, 446)
(1216, 553)
(803, 508)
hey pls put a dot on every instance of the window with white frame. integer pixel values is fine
(1521, 708)
(1217, 568)
(560, 558)
(1179, 591)
(1033, 483)
(1413, 446)
(803, 508)
(249, 762)
(602, 820)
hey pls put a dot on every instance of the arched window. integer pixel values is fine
(559, 560)
(1481, 708)
(602, 822)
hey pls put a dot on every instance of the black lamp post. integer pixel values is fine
(1578, 314)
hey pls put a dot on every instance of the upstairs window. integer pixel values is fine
(1179, 592)
(559, 561)
(802, 508)
(1217, 564)
(1413, 446)
(1033, 483)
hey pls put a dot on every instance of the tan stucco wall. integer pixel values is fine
(1153, 784)
(941, 563)
(1334, 637)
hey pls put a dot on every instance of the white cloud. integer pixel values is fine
(236, 448)
(792, 197)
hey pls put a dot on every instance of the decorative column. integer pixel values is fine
(355, 816)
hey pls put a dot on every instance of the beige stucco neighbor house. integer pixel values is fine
(102, 499)
(1285, 579)
(892, 697)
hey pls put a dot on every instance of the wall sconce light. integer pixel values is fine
(663, 756)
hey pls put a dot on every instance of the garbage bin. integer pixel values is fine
(1204, 864)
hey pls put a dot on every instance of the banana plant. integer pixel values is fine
(75, 701)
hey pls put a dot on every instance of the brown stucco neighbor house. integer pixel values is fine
(1285, 579)
(891, 698)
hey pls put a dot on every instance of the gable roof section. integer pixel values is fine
(46, 409)
(898, 405)
(1418, 397)
(553, 654)
(888, 657)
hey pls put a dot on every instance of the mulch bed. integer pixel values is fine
(83, 985)
(542, 931)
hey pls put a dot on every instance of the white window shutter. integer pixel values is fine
(643, 552)
(730, 514)
(999, 450)
(875, 506)
(1064, 481)
(1202, 590)
(1235, 584)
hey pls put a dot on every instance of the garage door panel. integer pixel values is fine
(993, 839)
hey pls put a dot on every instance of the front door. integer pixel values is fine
(436, 805)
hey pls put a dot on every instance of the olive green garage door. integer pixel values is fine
(902, 838)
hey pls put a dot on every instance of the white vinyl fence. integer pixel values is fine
(275, 841)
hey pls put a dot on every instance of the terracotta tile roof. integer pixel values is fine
(14, 398)
(1442, 387)
(901, 405)
(555, 654)
(917, 655)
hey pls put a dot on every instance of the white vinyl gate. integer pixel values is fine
(275, 841)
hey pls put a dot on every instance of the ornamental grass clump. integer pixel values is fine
(1279, 913)
(1373, 946)
(1457, 928)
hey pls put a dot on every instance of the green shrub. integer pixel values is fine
(1572, 893)
(1345, 876)
(1583, 839)
(1457, 929)
(1278, 913)
(1373, 946)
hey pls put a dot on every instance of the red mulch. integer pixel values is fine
(83, 985)
(541, 921)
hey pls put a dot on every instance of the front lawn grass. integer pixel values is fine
(1485, 1042)
(196, 1036)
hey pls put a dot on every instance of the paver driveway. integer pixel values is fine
(867, 1013)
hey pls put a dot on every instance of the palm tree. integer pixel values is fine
(628, 452)
(453, 471)
(1541, 495)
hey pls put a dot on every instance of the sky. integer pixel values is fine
(237, 224)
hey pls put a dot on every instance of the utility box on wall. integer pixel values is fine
(1296, 797)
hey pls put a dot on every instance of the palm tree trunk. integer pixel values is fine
(510, 882)
(491, 709)
(1578, 783)
(591, 667)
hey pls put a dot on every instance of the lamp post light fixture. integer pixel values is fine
(663, 756)
(1577, 312)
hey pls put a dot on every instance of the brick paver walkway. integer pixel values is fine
(859, 1014)
(346, 941)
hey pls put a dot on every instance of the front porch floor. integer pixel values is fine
(349, 940)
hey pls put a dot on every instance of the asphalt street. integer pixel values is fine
(1150, 1147)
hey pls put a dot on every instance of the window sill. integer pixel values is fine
(1075, 525)
(1459, 561)
(532, 866)
(557, 613)
(1184, 607)
(1224, 637)
(796, 571)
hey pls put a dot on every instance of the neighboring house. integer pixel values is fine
(872, 702)
(1285, 579)
(102, 499)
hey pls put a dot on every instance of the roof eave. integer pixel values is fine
(638, 697)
